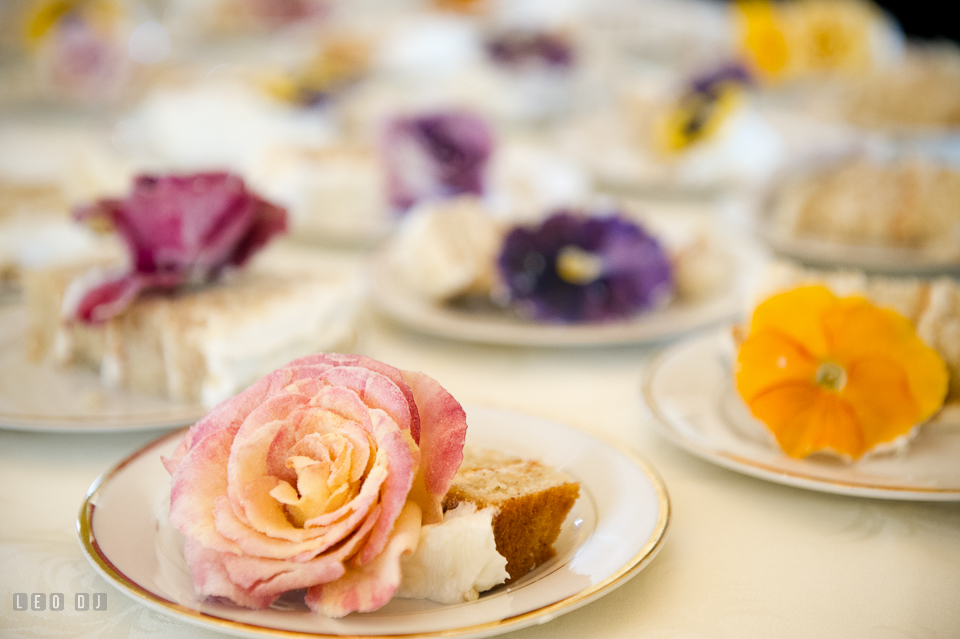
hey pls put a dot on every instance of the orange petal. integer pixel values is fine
(797, 313)
(805, 419)
(855, 329)
(769, 358)
(879, 392)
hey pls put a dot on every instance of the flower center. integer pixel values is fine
(831, 376)
(327, 477)
(577, 266)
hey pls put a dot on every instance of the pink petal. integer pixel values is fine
(314, 540)
(402, 467)
(211, 579)
(369, 587)
(90, 299)
(230, 413)
(443, 430)
(375, 390)
(394, 374)
(273, 577)
(178, 229)
(198, 481)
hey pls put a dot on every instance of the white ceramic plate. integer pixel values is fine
(879, 259)
(614, 530)
(690, 390)
(825, 253)
(494, 326)
(41, 397)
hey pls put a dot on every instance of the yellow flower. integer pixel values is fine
(836, 374)
(696, 117)
(43, 15)
(762, 39)
(800, 37)
(832, 35)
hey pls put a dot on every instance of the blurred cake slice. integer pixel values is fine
(200, 344)
(531, 501)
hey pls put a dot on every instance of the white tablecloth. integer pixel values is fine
(743, 558)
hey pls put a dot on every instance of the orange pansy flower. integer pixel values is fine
(836, 374)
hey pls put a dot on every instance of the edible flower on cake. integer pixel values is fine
(837, 374)
(705, 133)
(578, 268)
(179, 229)
(577, 265)
(318, 476)
(181, 319)
(435, 155)
(341, 476)
(805, 38)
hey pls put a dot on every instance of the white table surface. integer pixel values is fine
(743, 558)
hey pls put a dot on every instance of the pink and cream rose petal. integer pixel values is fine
(316, 477)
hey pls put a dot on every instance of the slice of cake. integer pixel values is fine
(906, 203)
(531, 499)
(200, 344)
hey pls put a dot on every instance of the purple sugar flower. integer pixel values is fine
(521, 49)
(178, 229)
(435, 156)
(575, 268)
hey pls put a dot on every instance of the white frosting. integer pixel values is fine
(455, 560)
(238, 349)
(445, 248)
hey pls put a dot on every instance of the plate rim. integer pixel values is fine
(760, 470)
(101, 563)
(175, 415)
(550, 335)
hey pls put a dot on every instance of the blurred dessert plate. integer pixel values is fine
(81, 403)
(615, 529)
(689, 389)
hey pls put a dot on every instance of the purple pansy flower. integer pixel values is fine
(578, 268)
(522, 49)
(178, 229)
(437, 155)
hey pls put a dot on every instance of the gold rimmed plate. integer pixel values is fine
(689, 388)
(614, 530)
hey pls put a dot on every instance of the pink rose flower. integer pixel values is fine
(318, 476)
(178, 229)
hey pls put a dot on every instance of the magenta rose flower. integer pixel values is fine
(317, 477)
(178, 229)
